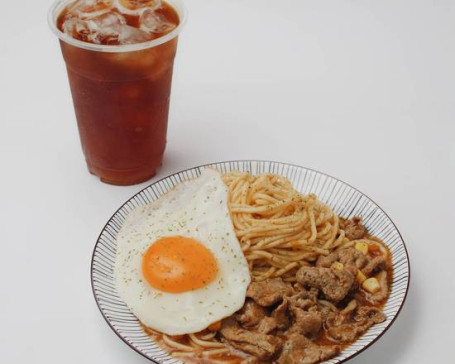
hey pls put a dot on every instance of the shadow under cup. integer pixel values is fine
(121, 98)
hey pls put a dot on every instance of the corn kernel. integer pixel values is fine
(360, 276)
(371, 285)
(338, 266)
(362, 246)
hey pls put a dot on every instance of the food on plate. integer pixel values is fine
(299, 282)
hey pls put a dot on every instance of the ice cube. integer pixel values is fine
(107, 20)
(108, 28)
(84, 9)
(80, 29)
(131, 35)
(154, 22)
(136, 7)
(69, 26)
(105, 28)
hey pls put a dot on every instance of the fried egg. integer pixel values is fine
(179, 266)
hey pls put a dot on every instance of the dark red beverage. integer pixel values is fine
(119, 56)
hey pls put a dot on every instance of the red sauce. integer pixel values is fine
(194, 357)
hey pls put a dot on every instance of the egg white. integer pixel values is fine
(197, 209)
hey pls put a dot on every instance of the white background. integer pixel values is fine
(362, 90)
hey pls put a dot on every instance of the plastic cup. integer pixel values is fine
(121, 99)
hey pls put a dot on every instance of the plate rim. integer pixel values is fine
(379, 336)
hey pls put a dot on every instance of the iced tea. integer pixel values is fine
(119, 56)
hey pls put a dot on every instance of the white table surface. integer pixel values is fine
(362, 90)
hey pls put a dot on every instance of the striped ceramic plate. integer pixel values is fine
(342, 198)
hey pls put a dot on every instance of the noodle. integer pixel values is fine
(279, 230)
(277, 226)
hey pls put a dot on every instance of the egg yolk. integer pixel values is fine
(178, 264)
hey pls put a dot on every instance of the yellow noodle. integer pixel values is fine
(182, 354)
(216, 351)
(276, 225)
(204, 343)
(176, 345)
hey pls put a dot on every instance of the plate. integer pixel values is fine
(344, 199)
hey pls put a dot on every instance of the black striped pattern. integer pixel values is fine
(341, 197)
